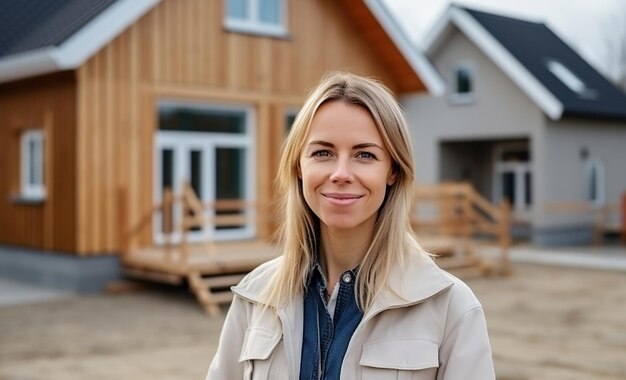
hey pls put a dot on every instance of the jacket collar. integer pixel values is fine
(413, 281)
(410, 282)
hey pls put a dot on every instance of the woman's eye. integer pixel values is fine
(366, 155)
(321, 153)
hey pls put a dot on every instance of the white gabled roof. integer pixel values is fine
(77, 49)
(475, 32)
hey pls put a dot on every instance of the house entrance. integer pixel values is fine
(513, 178)
(211, 149)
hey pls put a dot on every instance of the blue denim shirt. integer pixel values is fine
(326, 339)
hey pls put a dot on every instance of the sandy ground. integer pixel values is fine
(548, 323)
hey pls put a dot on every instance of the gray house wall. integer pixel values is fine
(500, 110)
(569, 142)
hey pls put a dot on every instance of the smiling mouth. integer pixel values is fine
(342, 199)
(341, 196)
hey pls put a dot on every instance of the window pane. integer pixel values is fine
(167, 174)
(229, 172)
(508, 187)
(238, 9)
(529, 187)
(593, 184)
(463, 80)
(178, 118)
(167, 182)
(269, 11)
(196, 172)
(32, 157)
(289, 119)
(196, 176)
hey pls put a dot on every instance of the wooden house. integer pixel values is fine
(102, 99)
(524, 118)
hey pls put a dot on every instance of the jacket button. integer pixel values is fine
(347, 278)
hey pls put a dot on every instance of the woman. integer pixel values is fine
(353, 296)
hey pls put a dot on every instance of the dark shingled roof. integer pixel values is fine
(32, 24)
(534, 44)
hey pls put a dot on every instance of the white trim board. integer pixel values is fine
(418, 61)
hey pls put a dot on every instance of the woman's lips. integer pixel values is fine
(342, 199)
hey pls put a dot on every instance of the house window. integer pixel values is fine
(462, 84)
(32, 165)
(569, 79)
(595, 182)
(264, 17)
(290, 118)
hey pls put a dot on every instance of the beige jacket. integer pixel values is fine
(435, 330)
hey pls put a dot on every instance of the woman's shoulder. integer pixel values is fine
(255, 282)
(460, 297)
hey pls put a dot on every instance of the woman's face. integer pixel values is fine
(345, 168)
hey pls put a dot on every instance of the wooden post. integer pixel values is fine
(466, 218)
(505, 235)
(624, 218)
(123, 231)
(166, 213)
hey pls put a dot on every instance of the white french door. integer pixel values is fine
(217, 166)
(513, 182)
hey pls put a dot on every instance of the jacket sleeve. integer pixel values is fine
(465, 353)
(225, 364)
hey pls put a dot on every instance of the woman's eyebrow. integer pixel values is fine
(323, 143)
(357, 146)
(367, 145)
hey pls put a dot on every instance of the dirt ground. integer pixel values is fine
(548, 323)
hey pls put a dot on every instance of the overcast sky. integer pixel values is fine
(589, 26)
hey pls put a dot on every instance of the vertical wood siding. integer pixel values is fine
(180, 50)
(46, 103)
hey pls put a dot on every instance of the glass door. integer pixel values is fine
(514, 183)
(216, 170)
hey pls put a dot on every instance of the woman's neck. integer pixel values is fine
(341, 251)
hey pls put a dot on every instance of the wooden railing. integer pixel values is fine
(193, 216)
(607, 218)
(457, 210)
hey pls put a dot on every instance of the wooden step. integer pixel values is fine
(208, 298)
(454, 262)
(222, 281)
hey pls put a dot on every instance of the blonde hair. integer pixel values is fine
(299, 232)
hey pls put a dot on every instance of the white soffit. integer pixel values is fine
(78, 48)
(418, 61)
(549, 104)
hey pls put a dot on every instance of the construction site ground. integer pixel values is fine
(546, 322)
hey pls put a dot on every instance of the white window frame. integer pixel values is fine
(463, 97)
(207, 142)
(29, 190)
(591, 165)
(253, 24)
(521, 210)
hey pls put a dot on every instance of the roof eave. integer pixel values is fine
(416, 59)
(78, 48)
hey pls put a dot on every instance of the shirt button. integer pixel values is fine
(347, 278)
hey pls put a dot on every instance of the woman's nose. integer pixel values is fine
(342, 172)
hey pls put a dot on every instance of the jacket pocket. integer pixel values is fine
(414, 359)
(256, 353)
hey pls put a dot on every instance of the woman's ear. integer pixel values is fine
(393, 176)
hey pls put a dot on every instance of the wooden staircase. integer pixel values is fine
(449, 219)
(209, 268)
